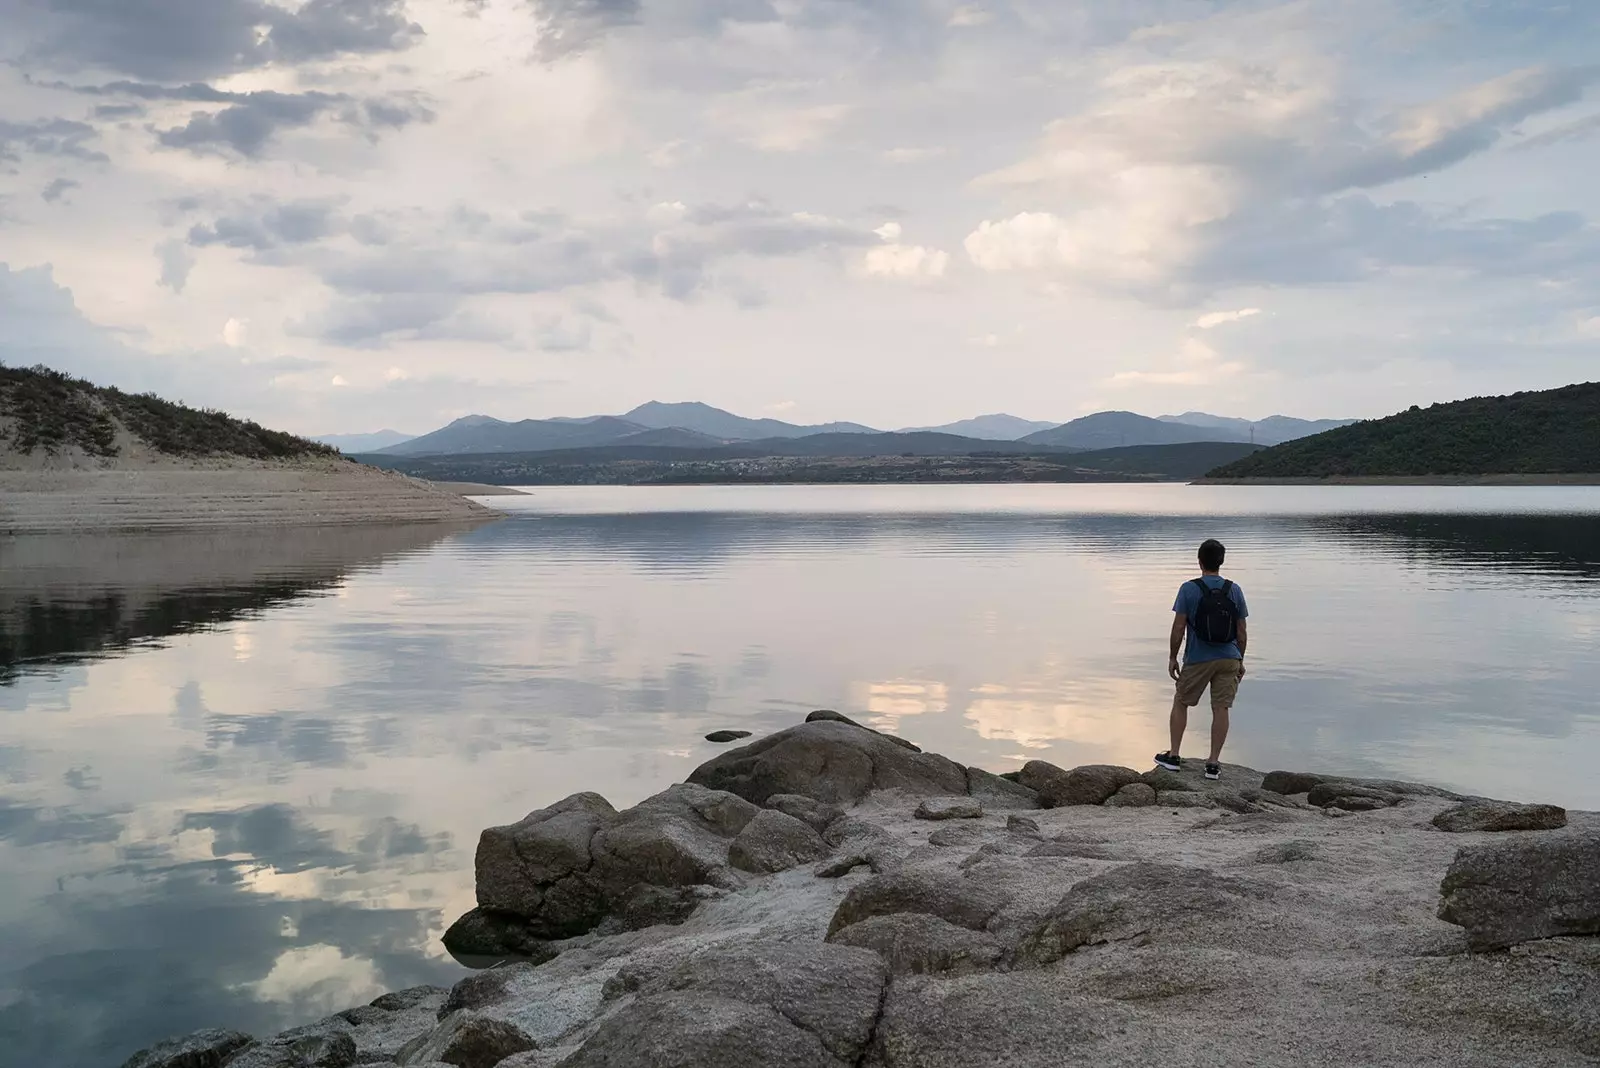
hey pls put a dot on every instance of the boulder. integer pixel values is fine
(409, 998)
(308, 1051)
(1021, 825)
(828, 761)
(842, 865)
(1300, 782)
(774, 842)
(1500, 816)
(1504, 893)
(949, 808)
(956, 834)
(519, 866)
(467, 1040)
(203, 1049)
(969, 903)
(1027, 1019)
(1355, 803)
(806, 1005)
(1184, 799)
(488, 933)
(1084, 850)
(1144, 901)
(488, 987)
(805, 809)
(1325, 794)
(1133, 795)
(1087, 785)
(655, 906)
(998, 794)
(1287, 852)
(828, 715)
(912, 943)
(1162, 779)
(678, 837)
(723, 737)
(563, 870)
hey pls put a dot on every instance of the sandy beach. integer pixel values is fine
(157, 497)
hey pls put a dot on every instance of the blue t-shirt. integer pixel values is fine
(1188, 603)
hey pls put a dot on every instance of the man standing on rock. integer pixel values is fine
(1210, 611)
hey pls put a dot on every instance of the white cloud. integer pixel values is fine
(1210, 319)
(969, 15)
(912, 155)
(338, 380)
(233, 333)
(906, 262)
(1197, 364)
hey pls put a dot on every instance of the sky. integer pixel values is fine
(341, 215)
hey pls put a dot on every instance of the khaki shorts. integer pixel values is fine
(1221, 675)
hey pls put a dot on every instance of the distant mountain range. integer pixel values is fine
(354, 443)
(1000, 427)
(699, 426)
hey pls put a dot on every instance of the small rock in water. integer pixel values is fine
(726, 736)
(1500, 816)
(949, 808)
(203, 1049)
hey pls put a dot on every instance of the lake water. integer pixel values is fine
(242, 776)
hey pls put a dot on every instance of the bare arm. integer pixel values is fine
(1180, 627)
(1244, 642)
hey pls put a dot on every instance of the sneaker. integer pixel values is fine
(1213, 771)
(1170, 762)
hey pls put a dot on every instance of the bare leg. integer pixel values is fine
(1219, 732)
(1180, 723)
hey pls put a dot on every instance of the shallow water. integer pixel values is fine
(241, 777)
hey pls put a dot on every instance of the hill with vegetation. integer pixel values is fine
(1553, 432)
(45, 411)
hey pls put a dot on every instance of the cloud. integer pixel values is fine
(1211, 319)
(906, 262)
(1575, 130)
(776, 128)
(268, 227)
(177, 262)
(62, 138)
(176, 39)
(968, 16)
(1197, 364)
(1176, 167)
(59, 188)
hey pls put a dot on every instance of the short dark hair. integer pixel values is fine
(1212, 553)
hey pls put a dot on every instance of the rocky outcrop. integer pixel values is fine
(1075, 934)
(203, 1049)
(950, 808)
(1504, 893)
(1500, 816)
(1091, 784)
(724, 737)
(828, 761)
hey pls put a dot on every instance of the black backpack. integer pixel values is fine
(1216, 621)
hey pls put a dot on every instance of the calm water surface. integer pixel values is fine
(241, 777)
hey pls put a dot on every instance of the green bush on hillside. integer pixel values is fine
(51, 410)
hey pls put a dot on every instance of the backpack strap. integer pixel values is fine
(1227, 587)
(1204, 589)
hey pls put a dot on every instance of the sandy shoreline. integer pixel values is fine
(1410, 480)
(481, 489)
(156, 498)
